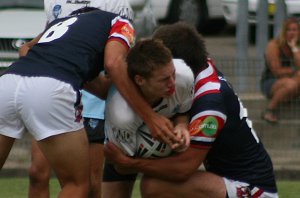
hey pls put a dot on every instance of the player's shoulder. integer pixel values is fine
(184, 73)
(118, 110)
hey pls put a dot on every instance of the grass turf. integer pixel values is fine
(18, 188)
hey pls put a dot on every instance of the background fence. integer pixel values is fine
(281, 140)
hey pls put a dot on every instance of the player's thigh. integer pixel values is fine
(95, 133)
(117, 189)
(115, 185)
(6, 144)
(38, 160)
(96, 161)
(198, 185)
(40, 169)
(68, 155)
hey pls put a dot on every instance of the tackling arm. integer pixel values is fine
(99, 86)
(178, 167)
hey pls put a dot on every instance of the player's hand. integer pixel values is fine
(183, 134)
(115, 155)
(162, 129)
(293, 42)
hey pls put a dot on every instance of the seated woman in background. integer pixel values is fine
(281, 80)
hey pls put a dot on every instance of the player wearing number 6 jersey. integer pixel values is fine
(222, 138)
(40, 91)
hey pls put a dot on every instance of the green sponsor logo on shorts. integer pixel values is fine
(209, 126)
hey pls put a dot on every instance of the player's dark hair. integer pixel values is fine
(185, 43)
(83, 10)
(146, 56)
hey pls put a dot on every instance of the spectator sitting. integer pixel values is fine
(280, 80)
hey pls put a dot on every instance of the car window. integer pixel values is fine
(21, 3)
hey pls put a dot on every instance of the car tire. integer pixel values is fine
(194, 12)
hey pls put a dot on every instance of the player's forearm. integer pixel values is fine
(174, 168)
(116, 67)
(130, 93)
(27, 46)
(181, 119)
(99, 86)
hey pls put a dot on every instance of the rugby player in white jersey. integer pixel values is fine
(167, 85)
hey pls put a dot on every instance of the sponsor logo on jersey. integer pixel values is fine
(78, 2)
(129, 33)
(208, 126)
(122, 136)
(122, 29)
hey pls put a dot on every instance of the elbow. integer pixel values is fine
(113, 66)
(109, 66)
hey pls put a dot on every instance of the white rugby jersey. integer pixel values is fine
(122, 123)
(62, 8)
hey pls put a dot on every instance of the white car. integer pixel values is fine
(20, 22)
(230, 8)
(199, 13)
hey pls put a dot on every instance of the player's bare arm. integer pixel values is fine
(99, 86)
(27, 46)
(160, 127)
(184, 164)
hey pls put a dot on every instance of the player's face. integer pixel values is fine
(162, 82)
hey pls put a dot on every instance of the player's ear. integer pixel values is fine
(139, 80)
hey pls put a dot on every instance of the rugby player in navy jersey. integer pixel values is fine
(222, 138)
(40, 92)
(93, 108)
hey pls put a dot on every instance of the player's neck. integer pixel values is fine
(154, 103)
(152, 100)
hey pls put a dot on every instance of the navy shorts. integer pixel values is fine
(95, 130)
(111, 175)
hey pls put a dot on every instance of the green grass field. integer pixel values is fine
(17, 188)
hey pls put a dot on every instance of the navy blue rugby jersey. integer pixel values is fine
(219, 123)
(72, 48)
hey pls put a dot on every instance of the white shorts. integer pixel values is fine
(44, 106)
(236, 189)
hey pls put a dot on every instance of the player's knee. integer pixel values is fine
(39, 176)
